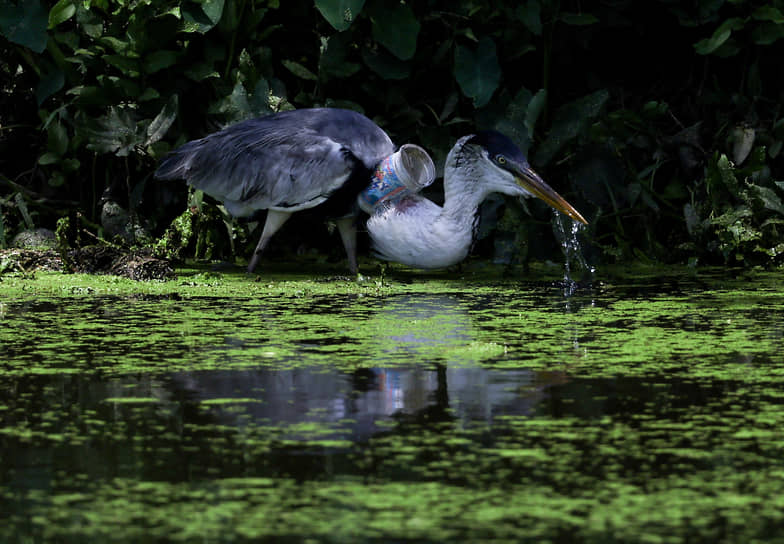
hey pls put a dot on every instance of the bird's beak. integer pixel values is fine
(534, 184)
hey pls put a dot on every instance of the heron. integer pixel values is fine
(294, 160)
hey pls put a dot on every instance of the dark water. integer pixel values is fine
(646, 410)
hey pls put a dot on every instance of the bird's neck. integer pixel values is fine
(425, 235)
(462, 195)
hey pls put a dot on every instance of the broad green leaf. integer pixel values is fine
(52, 80)
(396, 28)
(730, 48)
(24, 23)
(769, 198)
(674, 190)
(258, 101)
(450, 104)
(775, 149)
(654, 109)
(340, 13)
(520, 117)
(578, 19)
(710, 8)
(163, 120)
(234, 14)
(239, 105)
(49, 158)
(720, 35)
(128, 87)
(333, 61)
(149, 94)
(478, 72)
(57, 138)
(158, 60)
(202, 17)
(174, 11)
(768, 13)
(57, 179)
(128, 66)
(69, 39)
(213, 9)
(298, 70)
(70, 165)
(61, 12)
(512, 122)
(119, 46)
(709, 45)
(767, 33)
(90, 95)
(247, 68)
(201, 71)
(89, 22)
(602, 179)
(569, 121)
(385, 64)
(727, 174)
(531, 16)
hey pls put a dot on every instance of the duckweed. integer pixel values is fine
(468, 406)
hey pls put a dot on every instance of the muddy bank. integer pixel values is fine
(89, 260)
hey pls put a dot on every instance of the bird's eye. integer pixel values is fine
(500, 159)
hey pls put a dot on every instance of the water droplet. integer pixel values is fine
(566, 231)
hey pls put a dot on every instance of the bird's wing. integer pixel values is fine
(290, 160)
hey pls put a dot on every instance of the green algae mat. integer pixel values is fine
(299, 407)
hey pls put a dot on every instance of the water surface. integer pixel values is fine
(409, 408)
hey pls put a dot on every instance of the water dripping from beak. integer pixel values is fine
(566, 231)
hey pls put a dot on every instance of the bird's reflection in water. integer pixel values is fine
(428, 378)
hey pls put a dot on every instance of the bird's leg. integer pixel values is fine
(347, 227)
(275, 220)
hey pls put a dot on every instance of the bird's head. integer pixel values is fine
(500, 166)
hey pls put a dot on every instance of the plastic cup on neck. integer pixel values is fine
(403, 173)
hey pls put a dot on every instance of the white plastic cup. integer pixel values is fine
(405, 172)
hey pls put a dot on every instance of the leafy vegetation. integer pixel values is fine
(660, 121)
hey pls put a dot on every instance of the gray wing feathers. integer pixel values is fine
(290, 160)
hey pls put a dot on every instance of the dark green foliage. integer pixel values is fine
(477, 72)
(176, 238)
(340, 13)
(24, 23)
(660, 121)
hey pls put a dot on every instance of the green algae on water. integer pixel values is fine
(428, 408)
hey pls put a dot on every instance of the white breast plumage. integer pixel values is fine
(416, 233)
